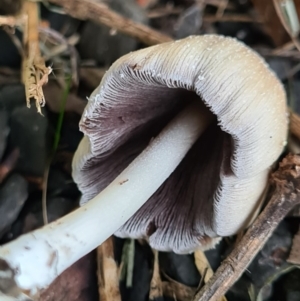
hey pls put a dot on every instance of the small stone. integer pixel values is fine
(61, 184)
(180, 268)
(12, 96)
(77, 283)
(13, 194)
(28, 135)
(9, 55)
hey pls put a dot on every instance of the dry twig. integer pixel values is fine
(166, 10)
(63, 44)
(11, 21)
(101, 13)
(218, 3)
(221, 8)
(266, 52)
(231, 18)
(285, 196)
(35, 73)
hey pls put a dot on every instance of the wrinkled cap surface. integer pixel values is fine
(217, 187)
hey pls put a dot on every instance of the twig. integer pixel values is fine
(283, 48)
(63, 45)
(218, 3)
(34, 72)
(231, 18)
(101, 13)
(107, 272)
(16, 41)
(221, 8)
(164, 11)
(291, 54)
(285, 196)
(293, 71)
(11, 21)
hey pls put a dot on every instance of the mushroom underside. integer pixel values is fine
(143, 88)
(179, 215)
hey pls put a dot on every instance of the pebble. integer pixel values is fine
(13, 194)
(9, 55)
(61, 184)
(181, 268)
(11, 97)
(28, 135)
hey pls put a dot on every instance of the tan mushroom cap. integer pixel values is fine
(142, 88)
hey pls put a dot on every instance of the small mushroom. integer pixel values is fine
(201, 177)
(217, 187)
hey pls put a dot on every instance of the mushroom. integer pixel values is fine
(202, 176)
(217, 187)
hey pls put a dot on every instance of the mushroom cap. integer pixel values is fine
(142, 91)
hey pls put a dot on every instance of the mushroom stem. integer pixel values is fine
(56, 246)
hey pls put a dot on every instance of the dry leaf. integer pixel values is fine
(272, 24)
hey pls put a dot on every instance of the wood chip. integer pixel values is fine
(108, 277)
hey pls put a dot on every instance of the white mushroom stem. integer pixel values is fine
(40, 256)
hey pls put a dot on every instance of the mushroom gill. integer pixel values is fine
(216, 188)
